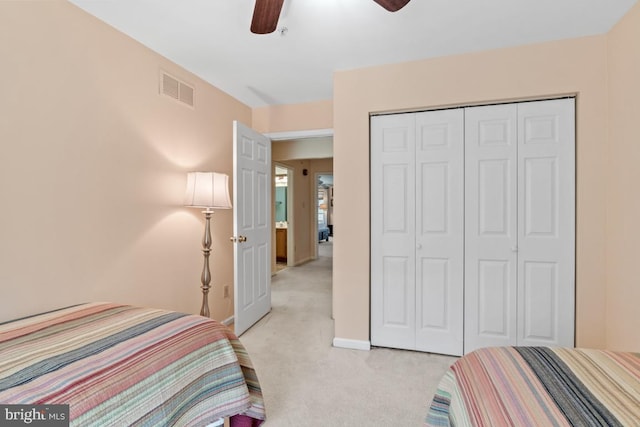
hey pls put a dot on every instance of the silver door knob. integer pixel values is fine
(235, 239)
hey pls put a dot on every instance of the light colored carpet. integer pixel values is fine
(307, 382)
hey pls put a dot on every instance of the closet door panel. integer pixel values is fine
(393, 231)
(490, 226)
(494, 295)
(434, 203)
(541, 211)
(396, 285)
(494, 198)
(546, 232)
(439, 246)
(540, 289)
(396, 219)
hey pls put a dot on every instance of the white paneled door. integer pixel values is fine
(520, 224)
(393, 229)
(491, 221)
(546, 223)
(439, 231)
(417, 231)
(251, 226)
(473, 227)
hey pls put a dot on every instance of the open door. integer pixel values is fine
(251, 226)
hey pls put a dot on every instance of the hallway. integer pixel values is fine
(307, 382)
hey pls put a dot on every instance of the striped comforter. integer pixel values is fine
(118, 365)
(539, 386)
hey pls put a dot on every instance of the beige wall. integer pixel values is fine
(93, 165)
(623, 202)
(285, 118)
(575, 66)
(306, 148)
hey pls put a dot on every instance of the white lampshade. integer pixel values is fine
(207, 190)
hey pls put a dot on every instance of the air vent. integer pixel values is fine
(176, 89)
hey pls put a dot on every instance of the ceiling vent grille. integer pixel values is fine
(176, 89)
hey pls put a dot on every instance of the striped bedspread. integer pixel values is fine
(118, 365)
(539, 386)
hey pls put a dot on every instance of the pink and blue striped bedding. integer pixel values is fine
(539, 386)
(120, 365)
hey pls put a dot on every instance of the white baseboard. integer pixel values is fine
(352, 344)
(228, 321)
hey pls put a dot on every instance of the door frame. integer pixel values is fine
(298, 134)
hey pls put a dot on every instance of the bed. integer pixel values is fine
(539, 386)
(121, 365)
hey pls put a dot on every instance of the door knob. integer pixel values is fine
(238, 239)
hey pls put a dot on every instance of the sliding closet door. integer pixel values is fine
(440, 231)
(546, 229)
(490, 226)
(393, 232)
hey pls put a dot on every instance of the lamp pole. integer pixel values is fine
(206, 273)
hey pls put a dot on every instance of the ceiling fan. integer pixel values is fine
(267, 12)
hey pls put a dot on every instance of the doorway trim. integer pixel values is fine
(299, 134)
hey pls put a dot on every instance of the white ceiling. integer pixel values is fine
(211, 38)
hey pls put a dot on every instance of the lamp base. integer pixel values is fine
(204, 309)
(206, 274)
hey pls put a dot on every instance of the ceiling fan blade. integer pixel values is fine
(392, 5)
(265, 16)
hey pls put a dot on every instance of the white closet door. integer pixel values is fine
(393, 231)
(546, 229)
(473, 221)
(440, 231)
(490, 226)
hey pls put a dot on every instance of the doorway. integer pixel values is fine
(324, 204)
(304, 154)
(283, 215)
